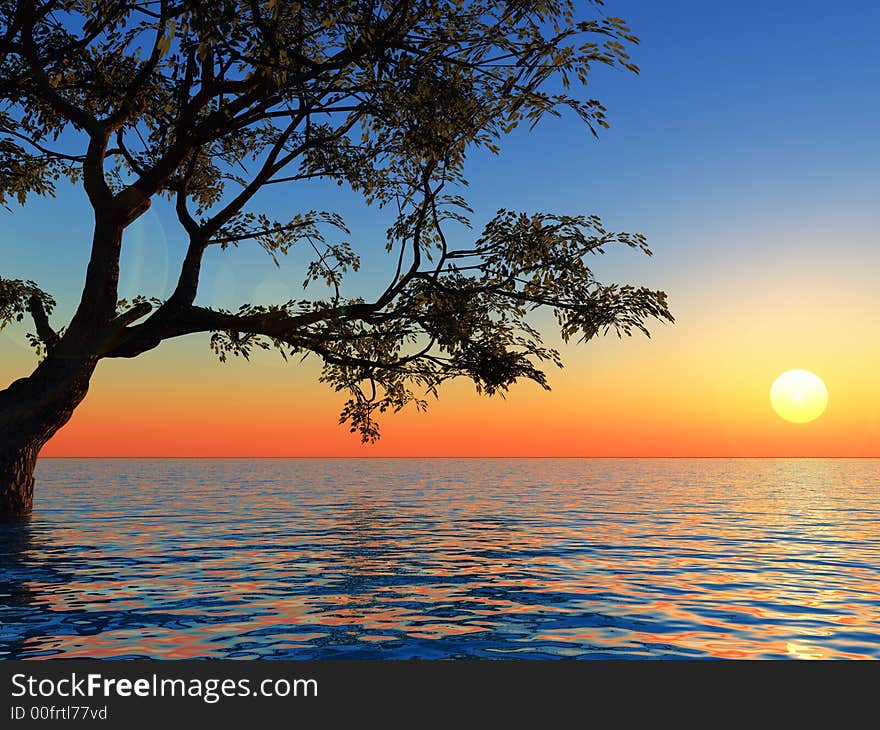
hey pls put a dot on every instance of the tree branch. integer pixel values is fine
(41, 321)
(172, 321)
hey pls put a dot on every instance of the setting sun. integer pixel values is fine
(799, 396)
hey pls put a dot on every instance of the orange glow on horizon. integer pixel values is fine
(696, 388)
(595, 409)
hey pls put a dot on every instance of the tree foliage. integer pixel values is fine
(207, 103)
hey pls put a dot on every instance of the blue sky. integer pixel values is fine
(744, 114)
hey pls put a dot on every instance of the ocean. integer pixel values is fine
(445, 559)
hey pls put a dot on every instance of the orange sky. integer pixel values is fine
(697, 388)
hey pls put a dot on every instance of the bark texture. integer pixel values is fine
(31, 412)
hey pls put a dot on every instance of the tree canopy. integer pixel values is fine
(204, 104)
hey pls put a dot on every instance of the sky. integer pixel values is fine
(746, 151)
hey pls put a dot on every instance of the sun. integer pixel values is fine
(799, 396)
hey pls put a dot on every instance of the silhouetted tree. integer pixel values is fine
(206, 103)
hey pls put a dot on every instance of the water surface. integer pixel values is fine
(497, 558)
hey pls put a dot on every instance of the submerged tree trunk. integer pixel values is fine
(31, 411)
(17, 481)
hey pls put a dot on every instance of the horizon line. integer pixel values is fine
(259, 458)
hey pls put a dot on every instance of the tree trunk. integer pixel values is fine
(17, 482)
(31, 411)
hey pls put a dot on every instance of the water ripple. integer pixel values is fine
(517, 558)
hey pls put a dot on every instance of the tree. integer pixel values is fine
(200, 105)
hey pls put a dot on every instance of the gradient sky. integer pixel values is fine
(746, 150)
